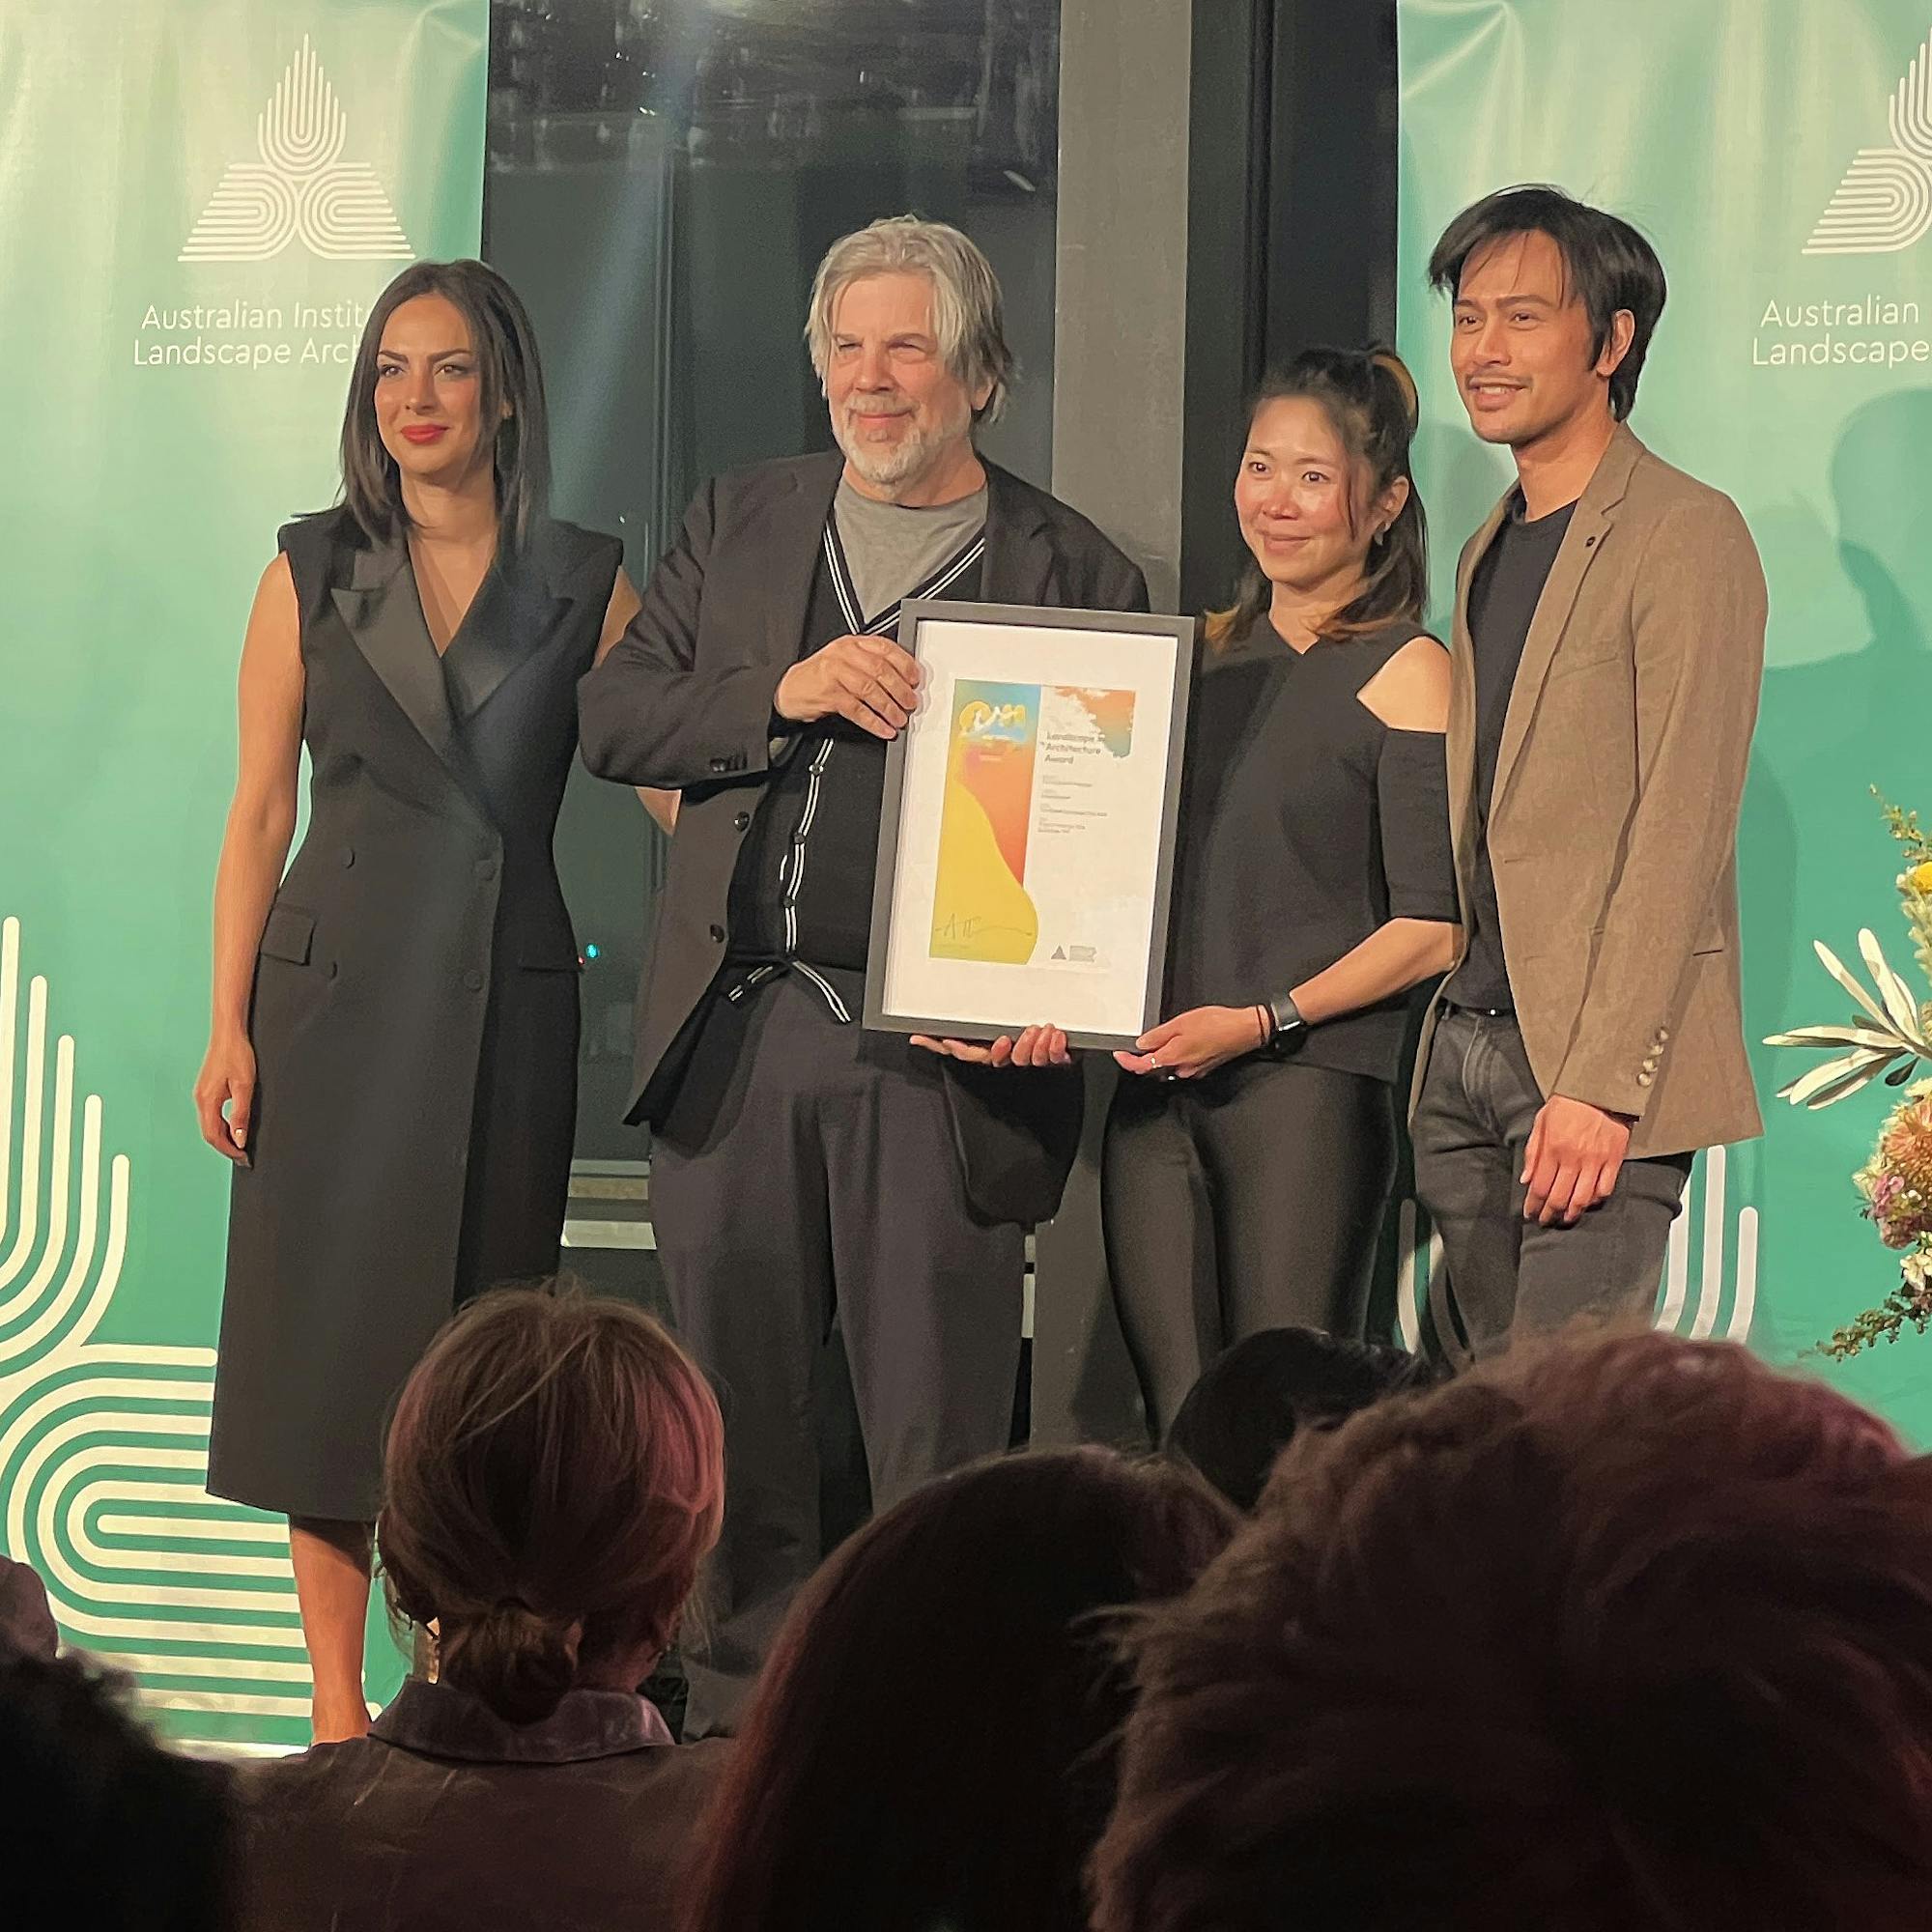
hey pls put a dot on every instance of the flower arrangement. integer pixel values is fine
(1889, 1035)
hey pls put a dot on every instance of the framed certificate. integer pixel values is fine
(1026, 846)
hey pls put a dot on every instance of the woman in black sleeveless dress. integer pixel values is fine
(392, 1060)
(1251, 1148)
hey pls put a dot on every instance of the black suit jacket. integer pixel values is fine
(684, 700)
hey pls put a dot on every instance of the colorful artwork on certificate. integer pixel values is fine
(1110, 713)
(980, 909)
(999, 802)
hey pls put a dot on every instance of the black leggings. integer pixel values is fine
(1249, 1199)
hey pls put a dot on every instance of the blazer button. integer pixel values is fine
(486, 870)
(473, 979)
(721, 764)
(329, 971)
(718, 935)
(742, 821)
(349, 855)
(1643, 1079)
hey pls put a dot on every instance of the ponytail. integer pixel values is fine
(1371, 399)
(518, 1661)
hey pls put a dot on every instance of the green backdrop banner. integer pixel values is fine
(1778, 153)
(198, 200)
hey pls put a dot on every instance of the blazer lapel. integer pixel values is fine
(794, 531)
(516, 614)
(1019, 566)
(1582, 544)
(383, 615)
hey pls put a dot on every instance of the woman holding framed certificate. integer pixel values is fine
(1251, 1150)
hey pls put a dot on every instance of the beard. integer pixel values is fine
(891, 466)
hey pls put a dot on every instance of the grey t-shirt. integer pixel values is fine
(891, 550)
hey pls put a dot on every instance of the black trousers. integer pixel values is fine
(807, 1170)
(1246, 1200)
(1508, 1276)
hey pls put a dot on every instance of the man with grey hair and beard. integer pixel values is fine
(803, 1169)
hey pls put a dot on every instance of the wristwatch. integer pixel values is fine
(1287, 1024)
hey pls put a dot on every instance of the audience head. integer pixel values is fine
(27, 1625)
(909, 344)
(101, 1827)
(555, 1476)
(1626, 1634)
(1555, 303)
(1248, 1405)
(930, 1745)
(448, 345)
(1324, 497)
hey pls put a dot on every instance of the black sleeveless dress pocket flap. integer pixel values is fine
(288, 934)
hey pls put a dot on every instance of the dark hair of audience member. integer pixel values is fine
(1371, 401)
(555, 1476)
(1251, 1399)
(931, 1743)
(1605, 261)
(99, 1827)
(27, 1627)
(1622, 1635)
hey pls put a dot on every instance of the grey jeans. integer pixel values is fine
(1510, 1276)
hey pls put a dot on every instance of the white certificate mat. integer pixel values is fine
(1026, 845)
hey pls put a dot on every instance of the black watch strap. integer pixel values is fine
(1287, 1021)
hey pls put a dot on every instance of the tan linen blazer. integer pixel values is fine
(1614, 823)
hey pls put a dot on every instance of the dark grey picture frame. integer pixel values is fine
(914, 614)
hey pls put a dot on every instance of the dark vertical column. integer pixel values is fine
(1332, 176)
(1229, 131)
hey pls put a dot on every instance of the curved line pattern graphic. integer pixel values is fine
(345, 216)
(300, 188)
(1910, 109)
(1884, 204)
(251, 217)
(104, 1448)
(302, 128)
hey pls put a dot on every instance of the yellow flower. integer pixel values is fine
(1919, 878)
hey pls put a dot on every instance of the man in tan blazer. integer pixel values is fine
(1607, 646)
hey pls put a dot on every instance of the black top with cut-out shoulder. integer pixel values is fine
(1306, 823)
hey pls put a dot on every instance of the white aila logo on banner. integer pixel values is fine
(1885, 202)
(300, 186)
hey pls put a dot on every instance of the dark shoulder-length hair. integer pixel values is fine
(931, 1743)
(1370, 398)
(505, 346)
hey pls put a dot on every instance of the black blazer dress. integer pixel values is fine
(415, 1015)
